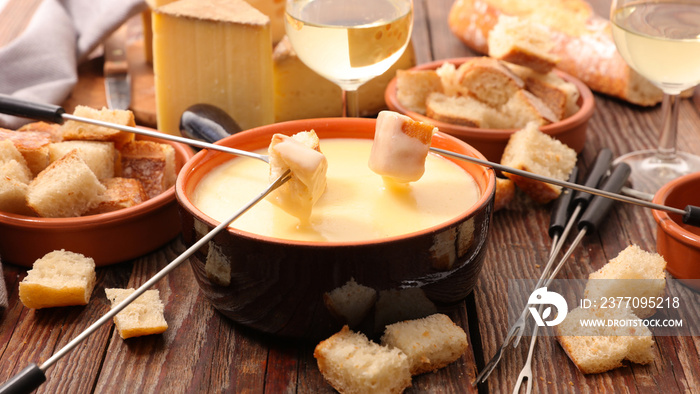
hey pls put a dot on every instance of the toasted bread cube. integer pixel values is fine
(66, 188)
(488, 80)
(351, 302)
(121, 193)
(523, 108)
(99, 156)
(16, 170)
(353, 364)
(531, 150)
(75, 130)
(598, 348)
(53, 129)
(460, 110)
(400, 147)
(60, 278)
(8, 151)
(13, 196)
(633, 273)
(33, 145)
(143, 316)
(558, 94)
(302, 155)
(430, 343)
(414, 86)
(150, 162)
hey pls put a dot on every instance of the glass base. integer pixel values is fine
(651, 171)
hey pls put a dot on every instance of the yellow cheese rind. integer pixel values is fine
(215, 52)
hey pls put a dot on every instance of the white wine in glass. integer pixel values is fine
(349, 42)
(660, 40)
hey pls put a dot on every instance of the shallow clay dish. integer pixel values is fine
(492, 142)
(280, 286)
(108, 237)
(679, 243)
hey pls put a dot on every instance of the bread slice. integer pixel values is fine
(66, 188)
(351, 302)
(600, 348)
(33, 145)
(522, 108)
(414, 86)
(300, 153)
(634, 273)
(53, 129)
(488, 80)
(99, 156)
(120, 193)
(430, 343)
(400, 147)
(531, 150)
(13, 196)
(59, 278)
(143, 316)
(559, 95)
(521, 42)
(460, 110)
(75, 130)
(353, 364)
(150, 162)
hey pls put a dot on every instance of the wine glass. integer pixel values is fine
(660, 39)
(349, 42)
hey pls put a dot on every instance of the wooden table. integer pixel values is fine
(204, 352)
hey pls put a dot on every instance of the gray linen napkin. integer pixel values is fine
(41, 64)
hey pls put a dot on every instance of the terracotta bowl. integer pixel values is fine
(108, 237)
(492, 142)
(679, 243)
(280, 286)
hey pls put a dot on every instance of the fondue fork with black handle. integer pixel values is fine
(53, 113)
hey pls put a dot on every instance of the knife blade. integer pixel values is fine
(116, 71)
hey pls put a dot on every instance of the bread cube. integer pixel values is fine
(120, 193)
(400, 147)
(558, 94)
(488, 80)
(33, 145)
(414, 86)
(60, 278)
(16, 170)
(461, 110)
(76, 130)
(531, 150)
(143, 316)
(66, 188)
(13, 196)
(353, 364)
(523, 108)
(302, 155)
(150, 162)
(430, 343)
(634, 273)
(53, 129)
(99, 156)
(600, 348)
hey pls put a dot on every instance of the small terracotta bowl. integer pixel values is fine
(281, 287)
(679, 243)
(108, 238)
(491, 142)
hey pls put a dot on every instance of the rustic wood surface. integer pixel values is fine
(204, 352)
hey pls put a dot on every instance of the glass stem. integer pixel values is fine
(351, 105)
(670, 107)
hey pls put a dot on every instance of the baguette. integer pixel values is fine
(581, 41)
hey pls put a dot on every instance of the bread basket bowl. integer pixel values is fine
(281, 287)
(492, 142)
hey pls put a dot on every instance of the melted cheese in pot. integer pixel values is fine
(356, 206)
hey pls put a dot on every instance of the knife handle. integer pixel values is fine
(27, 109)
(600, 167)
(599, 207)
(560, 209)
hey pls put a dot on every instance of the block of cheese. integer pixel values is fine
(300, 93)
(274, 9)
(217, 52)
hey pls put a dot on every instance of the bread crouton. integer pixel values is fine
(53, 129)
(33, 145)
(488, 80)
(76, 130)
(120, 193)
(99, 156)
(150, 162)
(143, 316)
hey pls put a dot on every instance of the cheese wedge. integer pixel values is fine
(274, 9)
(400, 147)
(300, 93)
(302, 155)
(217, 52)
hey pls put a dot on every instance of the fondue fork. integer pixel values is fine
(31, 377)
(53, 113)
(589, 222)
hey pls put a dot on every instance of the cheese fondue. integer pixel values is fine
(356, 206)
